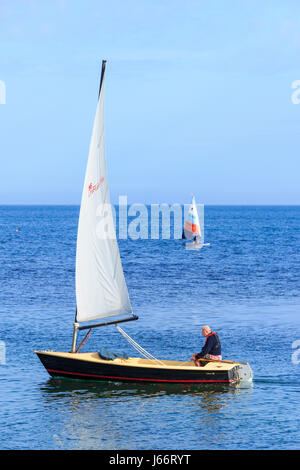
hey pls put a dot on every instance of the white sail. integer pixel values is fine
(101, 289)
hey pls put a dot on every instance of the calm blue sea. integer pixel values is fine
(245, 285)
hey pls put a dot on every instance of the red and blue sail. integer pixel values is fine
(191, 224)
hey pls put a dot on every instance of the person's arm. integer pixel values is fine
(206, 348)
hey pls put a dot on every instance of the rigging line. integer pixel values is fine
(84, 340)
(139, 348)
(136, 345)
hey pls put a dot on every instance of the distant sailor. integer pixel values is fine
(211, 348)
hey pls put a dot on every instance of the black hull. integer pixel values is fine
(74, 368)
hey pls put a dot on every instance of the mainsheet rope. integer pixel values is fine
(138, 347)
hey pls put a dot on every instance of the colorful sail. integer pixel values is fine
(101, 289)
(192, 227)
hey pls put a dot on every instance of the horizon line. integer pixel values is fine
(149, 203)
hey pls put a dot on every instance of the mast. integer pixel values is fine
(102, 76)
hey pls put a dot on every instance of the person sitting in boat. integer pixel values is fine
(211, 348)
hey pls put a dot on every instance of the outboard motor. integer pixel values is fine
(245, 372)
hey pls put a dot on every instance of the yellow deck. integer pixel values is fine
(140, 362)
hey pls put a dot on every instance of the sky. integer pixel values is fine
(198, 99)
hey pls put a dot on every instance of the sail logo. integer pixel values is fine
(2, 92)
(94, 187)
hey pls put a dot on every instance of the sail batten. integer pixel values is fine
(101, 289)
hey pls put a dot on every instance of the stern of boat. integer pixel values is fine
(245, 372)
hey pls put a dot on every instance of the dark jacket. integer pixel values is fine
(212, 346)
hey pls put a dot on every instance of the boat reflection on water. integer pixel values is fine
(104, 390)
(110, 415)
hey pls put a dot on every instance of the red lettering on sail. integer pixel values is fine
(95, 187)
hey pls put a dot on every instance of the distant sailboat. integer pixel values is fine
(193, 229)
(101, 292)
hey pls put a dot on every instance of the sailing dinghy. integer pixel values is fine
(101, 293)
(193, 230)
